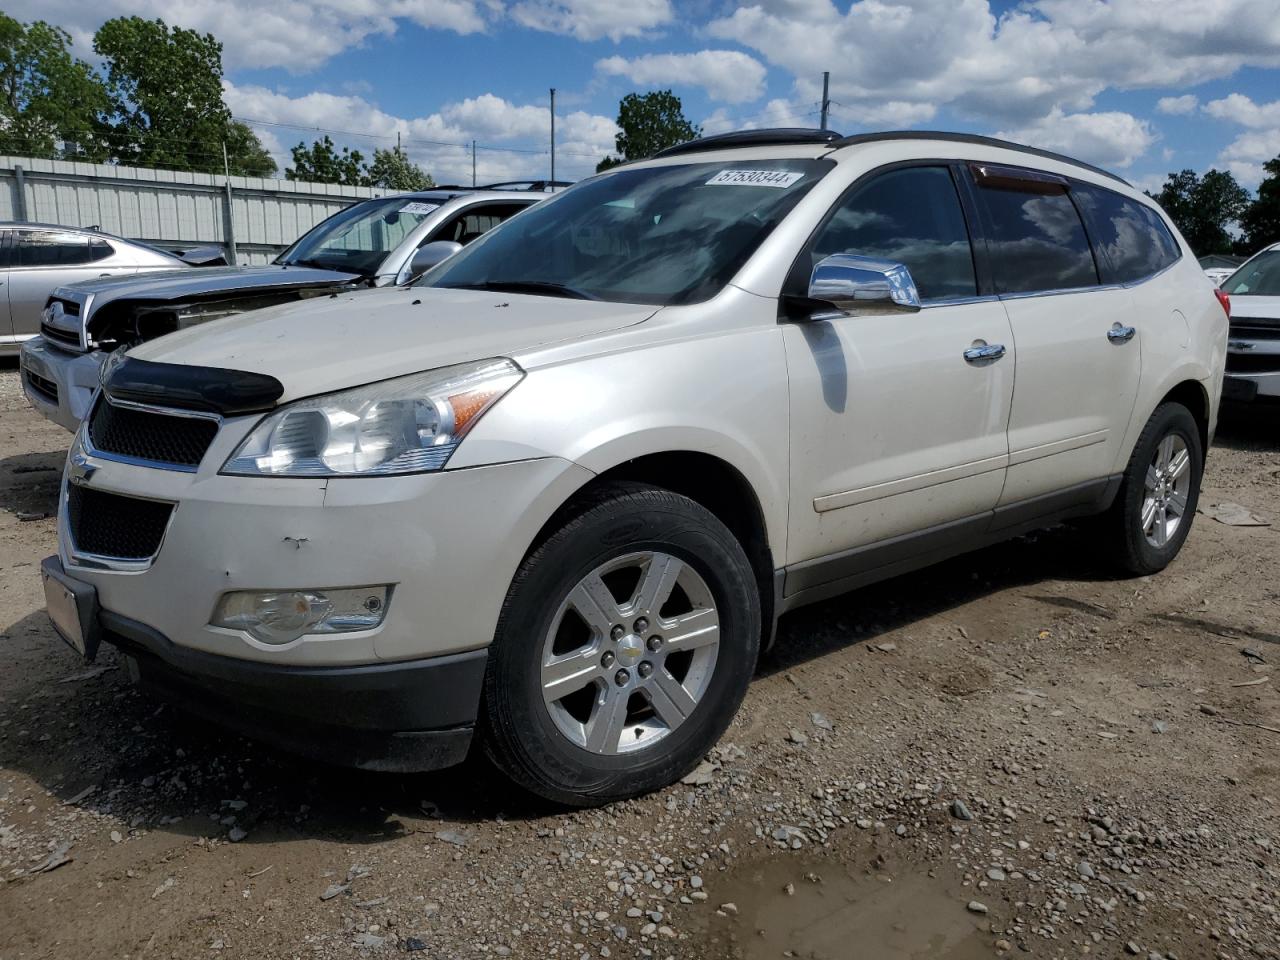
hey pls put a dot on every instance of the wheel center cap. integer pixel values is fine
(630, 650)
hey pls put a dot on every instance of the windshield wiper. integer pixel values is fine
(543, 287)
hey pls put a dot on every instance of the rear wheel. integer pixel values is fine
(624, 648)
(1153, 511)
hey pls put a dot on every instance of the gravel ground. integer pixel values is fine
(1009, 754)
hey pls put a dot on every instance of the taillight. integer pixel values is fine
(1224, 300)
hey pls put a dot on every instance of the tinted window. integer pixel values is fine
(52, 248)
(476, 222)
(912, 216)
(7, 254)
(1259, 277)
(1129, 238)
(1037, 242)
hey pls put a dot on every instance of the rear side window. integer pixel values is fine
(53, 248)
(911, 216)
(476, 222)
(1036, 240)
(1130, 239)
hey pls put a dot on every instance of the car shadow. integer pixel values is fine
(88, 727)
(1252, 427)
(29, 484)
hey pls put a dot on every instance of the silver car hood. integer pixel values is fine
(176, 285)
(347, 340)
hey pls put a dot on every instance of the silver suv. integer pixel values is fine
(554, 496)
(375, 242)
(1253, 352)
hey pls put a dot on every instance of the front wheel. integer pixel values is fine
(1152, 514)
(624, 648)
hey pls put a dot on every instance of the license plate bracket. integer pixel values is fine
(73, 608)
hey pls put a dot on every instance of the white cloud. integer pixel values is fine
(1110, 139)
(594, 19)
(1242, 110)
(1010, 68)
(726, 75)
(296, 34)
(1245, 155)
(1178, 105)
(440, 142)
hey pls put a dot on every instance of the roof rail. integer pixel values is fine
(861, 138)
(774, 136)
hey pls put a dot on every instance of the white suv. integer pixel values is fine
(554, 496)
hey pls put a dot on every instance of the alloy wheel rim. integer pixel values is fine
(1166, 491)
(630, 653)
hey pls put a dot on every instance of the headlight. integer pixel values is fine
(407, 425)
(282, 616)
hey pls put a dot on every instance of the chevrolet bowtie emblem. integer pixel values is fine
(79, 469)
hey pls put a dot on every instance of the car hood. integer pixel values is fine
(1245, 305)
(350, 339)
(180, 284)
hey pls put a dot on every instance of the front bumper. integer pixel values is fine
(402, 717)
(60, 385)
(1246, 388)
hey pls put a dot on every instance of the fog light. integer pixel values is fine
(281, 616)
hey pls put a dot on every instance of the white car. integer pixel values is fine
(554, 496)
(1253, 352)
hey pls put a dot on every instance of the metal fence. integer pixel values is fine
(251, 218)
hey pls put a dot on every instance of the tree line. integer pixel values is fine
(1217, 215)
(155, 101)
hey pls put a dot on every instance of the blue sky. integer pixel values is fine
(1140, 86)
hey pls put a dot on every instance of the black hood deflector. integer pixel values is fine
(214, 389)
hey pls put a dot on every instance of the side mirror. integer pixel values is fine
(428, 255)
(856, 285)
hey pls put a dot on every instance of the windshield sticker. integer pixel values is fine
(755, 178)
(416, 206)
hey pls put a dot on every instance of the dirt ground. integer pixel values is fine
(1011, 754)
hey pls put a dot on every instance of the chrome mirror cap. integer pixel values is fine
(863, 285)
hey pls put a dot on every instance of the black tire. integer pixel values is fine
(1133, 552)
(516, 726)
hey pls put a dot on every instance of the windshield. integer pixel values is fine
(358, 239)
(656, 235)
(1260, 277)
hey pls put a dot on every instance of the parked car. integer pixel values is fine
(1253, 350)
(556, 497)
(37, 257)
(371, 243)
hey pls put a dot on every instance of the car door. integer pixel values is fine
(898, 441)
(47, 258)
(1079, 353)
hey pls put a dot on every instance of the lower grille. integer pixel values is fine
(145, 435)
(1253, 363)
(111, 525)
(43, 388)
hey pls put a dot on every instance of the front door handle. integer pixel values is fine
(1120, 334)
(980, 352)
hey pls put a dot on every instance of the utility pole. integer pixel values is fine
(826, 100)
(397, 141)
(473, 163)
(228, 210)
(553, 134)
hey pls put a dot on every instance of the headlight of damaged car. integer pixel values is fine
(407, 425)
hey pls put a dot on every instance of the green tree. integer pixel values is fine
(49, 100)
(1204, 207)
(166, 106)
(321, 163)
(393, 170)
(1261, 222)
(648, 123)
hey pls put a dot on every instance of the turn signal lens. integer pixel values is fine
(1224, 300)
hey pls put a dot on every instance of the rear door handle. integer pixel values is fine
(984, 351)
(1120, 334)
